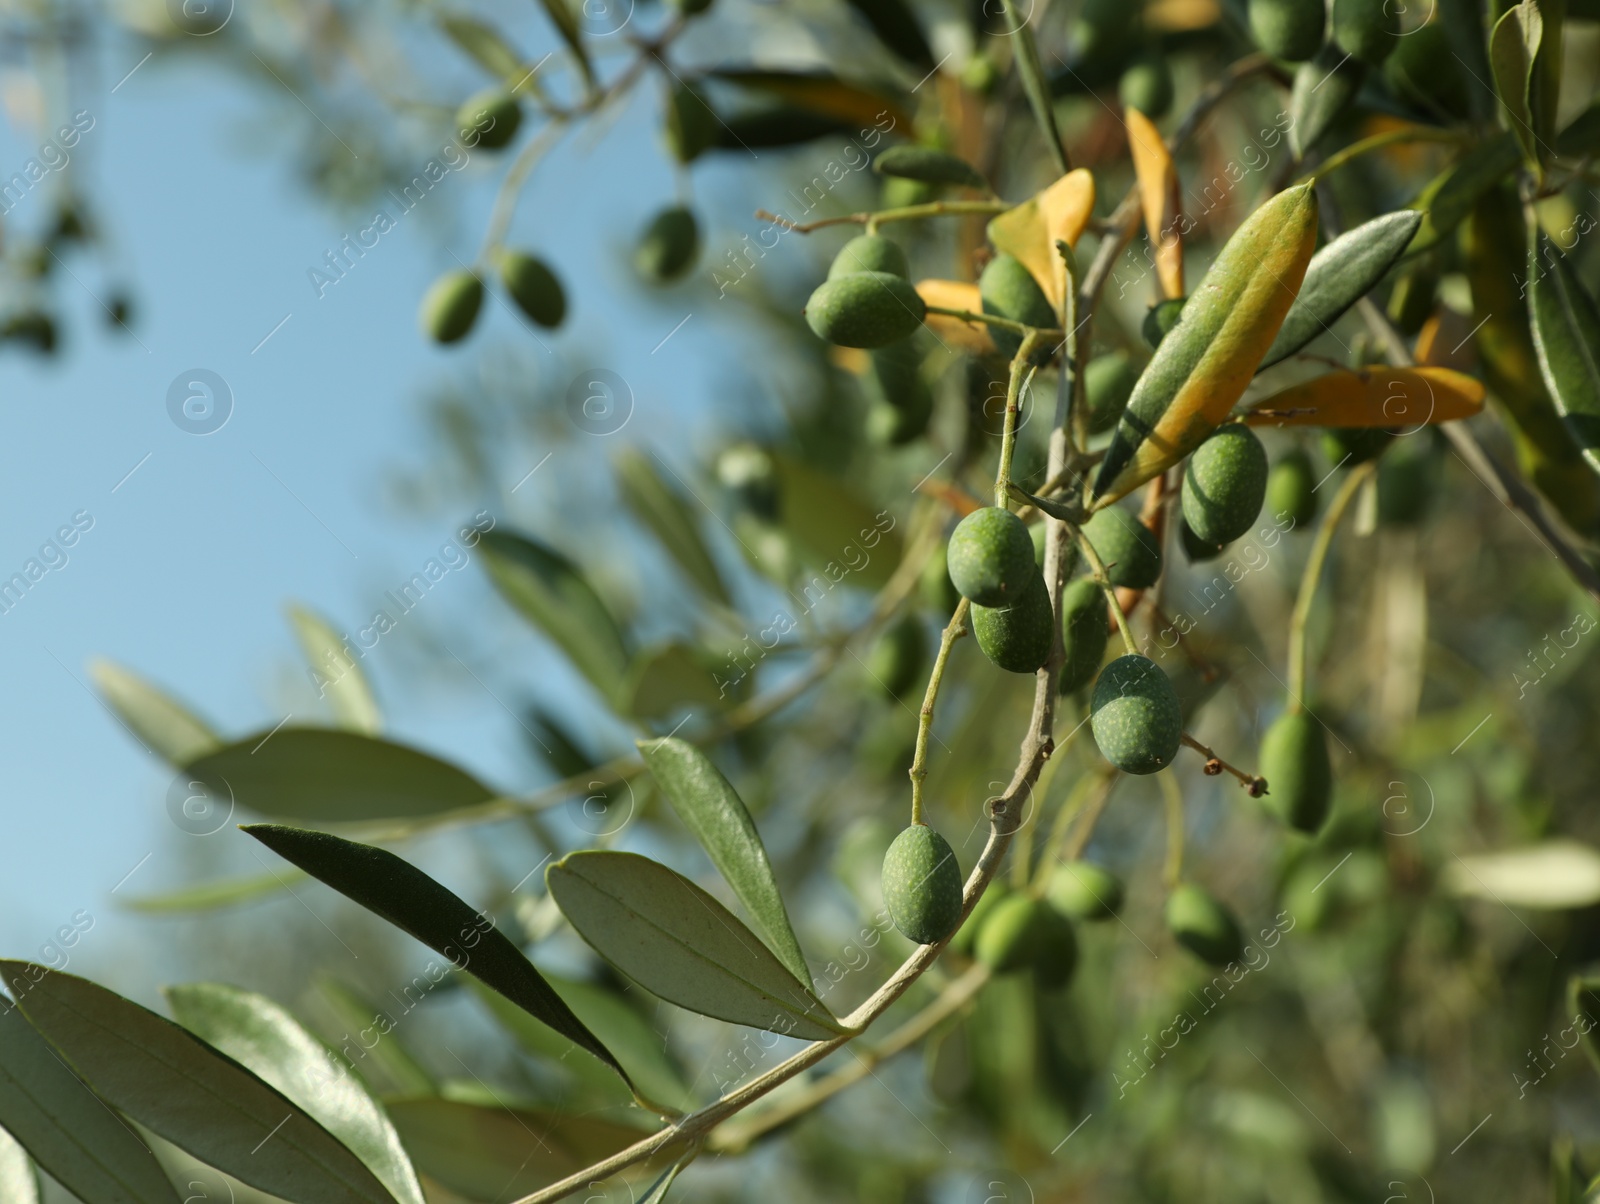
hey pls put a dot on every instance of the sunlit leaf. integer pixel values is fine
(1160, 198)
(1029, 232)
(334, 777)
(709, 807)
(1513, 50)
(264, 1038)
(209, 896)
(1451, 196)
(164, 725)
(962, 295)
(335, 673)
(1556, 875)
(1566, 336)
(179, 1087)
(671, 518)
(1392, 398)
(679, 943)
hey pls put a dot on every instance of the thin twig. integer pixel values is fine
(953, 631)
(1254, 783)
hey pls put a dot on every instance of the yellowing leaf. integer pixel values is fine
(956, 294)
(827, 94)
(1030, 231)
(1158, 193)
(1406, 398)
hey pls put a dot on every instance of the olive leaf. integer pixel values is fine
(1450, 197)
(835, 530)
(566, 23)
(208, 896)
(1566, 335)
(1204, 365)
(487, 47)
(182, 1089)
(824, 94)
(553, 595)
(1029, 232)
(897, 28)
(413, 902)
(386, 1064)
(667, 677)
(334, 777)
(1404, 398)
(1323, 89)
(68, 1129)
(335, 673)
(657, 1191)
(1159, 197)
(1513, 51)
(777, 126)
(164, 725)
(954, 332)
(1034, 83)
(1583, 1005)
(663, 510)
(709, 807)
(679, 943)
(1554, 875)
(1341, 274)
(928, 165)
(265, 1039)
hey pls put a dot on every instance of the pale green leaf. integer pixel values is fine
(364, 1034)
(335, 673)
(1513, 50)
(157, 720)
(487, 47)
(671, 519)
(666, 678)
(1556, 875)
(18, 1183)
(209, 896)
(1566, 336)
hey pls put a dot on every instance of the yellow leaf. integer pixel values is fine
(1404, 398)
(1158, 193)
(956, 294)
(1030, 231)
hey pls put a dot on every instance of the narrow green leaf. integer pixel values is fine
(667, 677)
(663, 510)
(657, 1191)
(1341, 274)
(487, 47)
(335, 673)
(837, 532)
(1566, 335)
(179, 1087)
(167, 727)
(929, 165)
(334, 777)
(1583, 1005)
(678, 942)
(364, 1035)
(710, 808)
(1451, 196)
(413, 902)
(1324, 87)
(551, 594)
(67, 1128)
(1034, 82)
(18, 1183)
(209, 896)
(566, 23)
(1513, 50)
(264, 1038)
(898, 29)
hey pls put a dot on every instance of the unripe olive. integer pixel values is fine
(1135, 716)
(1126, 546)
(1204, 926)
(966, 937)
(991, 557)
(1195, 549)
(865, 309)
(669, 245)
(896, 660)
(922, 885)
(902, 403)
(1224, 484)
(1147, 86)
(1009, 291)
(533, 286)
(939, 593)
(1084, 632)
(1294, 760)
(1040, 534)
(869, 253)
(1292, 489)
(492, 115)
(450, 306)
(1405, 487)
(747, 471)
(1012, 933)
(1055, 954)
(1366, 29)
(1084, 891)
(1347, 446)
(1017, 638)
(691, 126)
(1288, 29)
(1163, 317)
(1107, 384)
(899, 192)
(1424, 71)
(928, 164)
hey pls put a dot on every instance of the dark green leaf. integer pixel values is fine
(413, 902)
(179, 1087)
(67, 1128)
(334, 777)
(928, 165)
(662, 508)
(667, 677)
(208, 896)
(335, 673)
(1566, 335)
(657, 1191)
(160, 722)
(1339, 275)
(1582, 135)
(1583, 1005)
(826, 95)
(710, 808)
(897, 28)
(1453, 194)
(678, 942)
(551, 594)
(364, 1034)
(1034, 82)
(777, 127)
(262, 1037)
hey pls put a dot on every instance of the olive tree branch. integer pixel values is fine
(1022, 371)
(953, 631)
(904, 213)
(1312, 576)
(1254, 783)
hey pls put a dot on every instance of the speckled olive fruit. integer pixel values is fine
(1135, 716)
(991, 557)
(533, 286)
(965, 940)
(869, 253)
(895, 662)
(1366, 29)
(1108, 383)
(1163, 317)
(450, 306)
(1009, 291)
(1294, 760)
(490, 119)
(1203, 926)
(1195, 549)
(1147, 86)
(691, 126)
(939, 593)
(1011, 934)
(1055, 954)
(1085, 627)
(1347, 446)
(1288, 29)
(865, 309)
(669, 245)
(1224, 484)
(1126, 546)
(1292, 490)
(1018, 637)
(1084, 891)
(922, 885)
